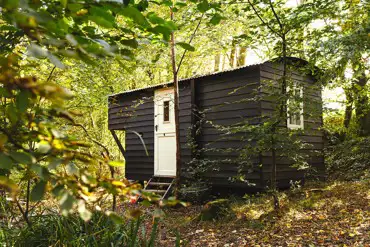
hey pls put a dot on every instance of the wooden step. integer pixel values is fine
(156, 191)
(159, 183)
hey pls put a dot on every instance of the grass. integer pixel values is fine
(320, 214)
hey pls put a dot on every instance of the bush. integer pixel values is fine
(55, 230)
(216, 210)
(350, 159)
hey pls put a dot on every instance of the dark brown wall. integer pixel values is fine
(312, 109)
(224, 100)
(134, 111)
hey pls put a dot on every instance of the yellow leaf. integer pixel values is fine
(119, 183)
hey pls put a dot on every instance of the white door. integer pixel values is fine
(164, 133)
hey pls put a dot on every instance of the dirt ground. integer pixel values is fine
(330, 214)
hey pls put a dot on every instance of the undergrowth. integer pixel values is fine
(55, 230)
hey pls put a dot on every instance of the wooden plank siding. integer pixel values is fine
(221, 99)
(225, 99)
(134, 111)
(312, 110)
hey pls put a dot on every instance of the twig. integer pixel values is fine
(92, 139)
(23, 213)
(191, 39)
(12, 141)
(261, 19)
(51, 74)
(276, 16)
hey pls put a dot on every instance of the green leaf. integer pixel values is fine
(66, 202)
(10, 4)
(43, 147)
(136, 16)
(57, 190)
(3, 139)
(102, 17)
(23, 158)
(154, 18)
(41, 171)
(11, 112)
(64, 3)
(162, 30)
(130, 42)
(38, 191)
(55, 60)
(84, 213)
(4, 93)
(72, 168)
(36, 51)
(170, 25)
(5, 162)
(115, 218)
(203, 6)
(185, 46)
(8, 183)
(22, 100)
(216, 18)
(54, 164)
(101, 21)
(74, 7)
(180, 4)
(117, 163)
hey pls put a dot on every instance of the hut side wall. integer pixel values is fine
(135, 111)
(312, 108)
(224, 100)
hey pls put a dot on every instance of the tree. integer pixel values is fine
(32, 147)
(341, 48)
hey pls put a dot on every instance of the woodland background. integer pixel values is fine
(61, 59)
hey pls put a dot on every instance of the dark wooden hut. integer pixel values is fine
(207, 101)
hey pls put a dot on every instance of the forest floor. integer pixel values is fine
(327, 214)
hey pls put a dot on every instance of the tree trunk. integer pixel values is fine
(242, 56)
(349, 108)
(176, 110)
(232, 56)
(362, 105)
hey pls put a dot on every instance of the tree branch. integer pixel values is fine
(12, 141)
(261, 19)
(276, 17)
(51, 74)
(92, 139)
(191, 39)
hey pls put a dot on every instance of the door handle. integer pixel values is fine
(156, 127)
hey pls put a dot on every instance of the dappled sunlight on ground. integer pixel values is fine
(335, 214)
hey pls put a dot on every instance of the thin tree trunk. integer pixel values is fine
(232, 56)
(176, 109)
(362, 105)
(242, 56)
(25, 212)
(349, 108)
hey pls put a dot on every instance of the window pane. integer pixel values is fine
(166, 111)
(295, 106)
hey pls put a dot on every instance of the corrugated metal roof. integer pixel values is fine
(186, 79)
(292, 59)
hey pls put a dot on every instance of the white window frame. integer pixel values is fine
(301, 125)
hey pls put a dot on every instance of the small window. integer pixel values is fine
(166, 111)
(295, 107)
